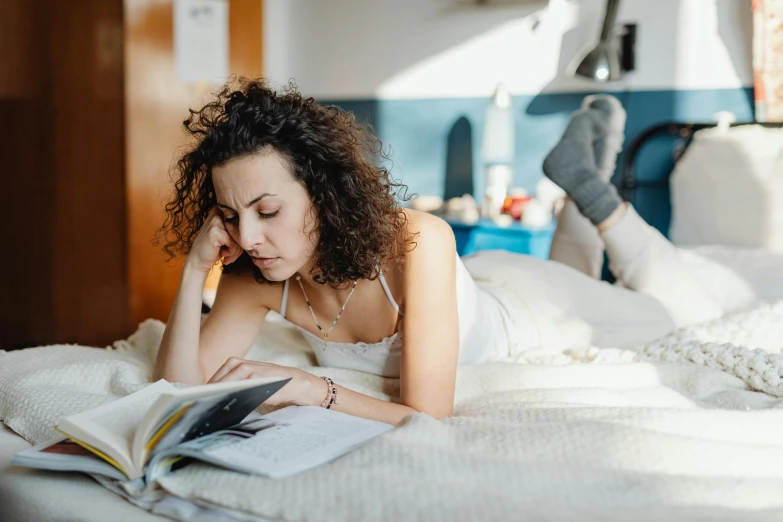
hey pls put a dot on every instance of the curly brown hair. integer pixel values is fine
(337, 159)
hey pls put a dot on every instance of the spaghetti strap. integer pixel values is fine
(284, 304)
(388, 292)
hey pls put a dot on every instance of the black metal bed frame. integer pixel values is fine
(628, 183)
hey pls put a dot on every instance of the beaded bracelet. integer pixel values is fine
(331, 394)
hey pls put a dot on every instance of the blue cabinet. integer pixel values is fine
(487, 235)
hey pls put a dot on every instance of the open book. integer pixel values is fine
(125, 433)
(151, 432)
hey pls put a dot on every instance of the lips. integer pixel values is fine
(263, 262)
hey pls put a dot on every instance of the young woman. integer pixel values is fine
(290, 196)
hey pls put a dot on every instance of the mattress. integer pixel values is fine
(31, 496)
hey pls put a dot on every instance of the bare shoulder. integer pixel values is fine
(428, 280)
(433, 238)
(426, 220)
(245, 291)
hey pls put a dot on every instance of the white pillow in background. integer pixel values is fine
(727, 189)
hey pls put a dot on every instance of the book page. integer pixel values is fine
(163, 410)
(309, 438)
(109, 428)
(123, 420)
(208, 408)
(277, 444)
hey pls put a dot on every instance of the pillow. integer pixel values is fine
(727, 189)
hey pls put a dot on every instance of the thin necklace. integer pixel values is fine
(325, 334)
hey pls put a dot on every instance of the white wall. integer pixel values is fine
(409, 49)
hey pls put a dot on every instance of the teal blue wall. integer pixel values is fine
(417, 131)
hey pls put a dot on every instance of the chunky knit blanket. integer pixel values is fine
(687, 428)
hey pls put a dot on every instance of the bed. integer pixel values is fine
(686, 428)
(591, 435)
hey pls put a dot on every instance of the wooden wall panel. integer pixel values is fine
(26, 316)
(63, 206)
(156, 104)
(92, 122)
(245, 20)
(89, 256)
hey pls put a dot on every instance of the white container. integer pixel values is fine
(497, 146)
(497, 151)
(498, 183)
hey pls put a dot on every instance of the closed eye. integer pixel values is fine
(233, 220)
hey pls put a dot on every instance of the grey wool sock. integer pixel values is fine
(607, 149)
(583, 160)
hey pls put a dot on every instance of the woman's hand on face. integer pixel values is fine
(213, 242)
(304, 389)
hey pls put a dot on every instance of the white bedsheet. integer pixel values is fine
(31, 496)
(594, 435)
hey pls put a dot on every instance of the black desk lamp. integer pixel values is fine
(606, 61)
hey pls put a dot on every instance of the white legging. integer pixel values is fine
(693, 285)
(561, 303)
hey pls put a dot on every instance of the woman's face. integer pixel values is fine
(267, 212)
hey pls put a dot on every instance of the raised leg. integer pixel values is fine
(691, 288)
(576, 242)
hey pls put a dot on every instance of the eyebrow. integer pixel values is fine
(256, 200)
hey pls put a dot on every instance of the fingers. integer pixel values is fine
(215, 219)
(227, 248)
(235, 369)
(240, 372)
(228, 366)
(212, 226)
(231, 252)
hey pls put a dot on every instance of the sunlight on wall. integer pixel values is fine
(418, 49)
(524, 58)
(707, 28)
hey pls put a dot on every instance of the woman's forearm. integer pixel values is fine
(178, 357)
(356, 404)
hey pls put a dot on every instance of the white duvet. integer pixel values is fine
(582, 435)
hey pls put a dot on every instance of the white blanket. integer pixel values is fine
(586, 434)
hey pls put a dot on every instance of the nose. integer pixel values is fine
(251, 235)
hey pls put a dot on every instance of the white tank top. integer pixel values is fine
(481, 331)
